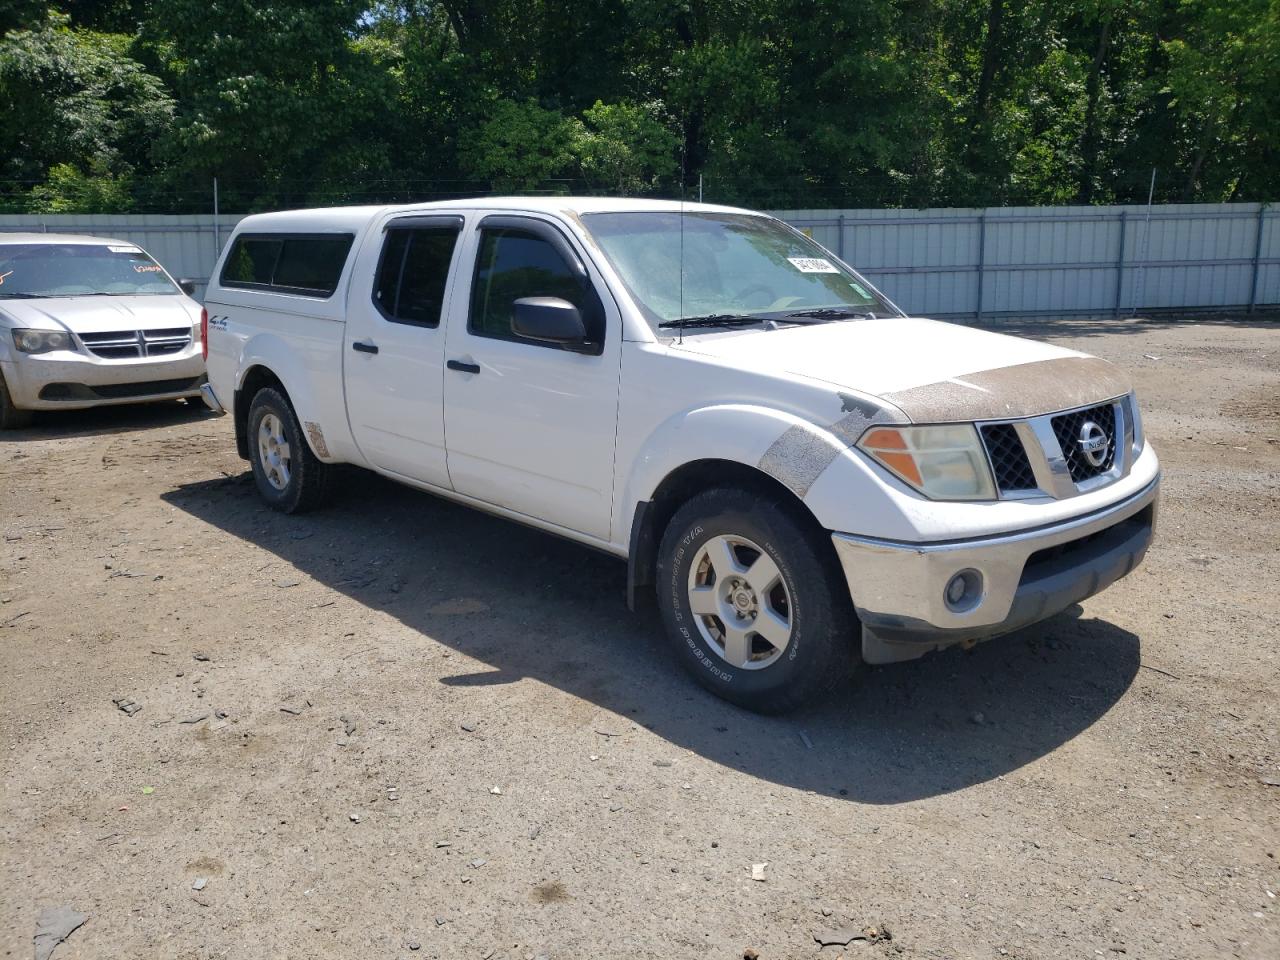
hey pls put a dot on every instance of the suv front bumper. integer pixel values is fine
(1012, 580)
(67, 380)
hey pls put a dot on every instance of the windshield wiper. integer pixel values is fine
(21, 296)
(831, 313)
(714, 320)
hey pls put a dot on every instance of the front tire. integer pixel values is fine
(753, 601)
(11, 418)
(288, 475)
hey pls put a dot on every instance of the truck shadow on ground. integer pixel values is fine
(530, 605)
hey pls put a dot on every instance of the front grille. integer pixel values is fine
(1075, 553)
(117, 345)
(137, 344)
(1067, 427)
(158, 343)
(1008, 458)
(119, 391)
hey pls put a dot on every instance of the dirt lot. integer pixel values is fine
(398, 728)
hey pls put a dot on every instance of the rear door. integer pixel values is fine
(394, 353)
(531, 425)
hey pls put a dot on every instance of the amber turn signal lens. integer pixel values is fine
(943, 461)
(889, 447)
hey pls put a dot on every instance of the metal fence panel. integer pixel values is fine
(997, 262)
(1052, 261)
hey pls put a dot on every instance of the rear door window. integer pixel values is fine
(306, 264)
(413, 273)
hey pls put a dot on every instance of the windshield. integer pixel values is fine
(735, 267)
(78, 270)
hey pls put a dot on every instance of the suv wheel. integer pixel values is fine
(289, 477)
(11, 418)
(754, 604)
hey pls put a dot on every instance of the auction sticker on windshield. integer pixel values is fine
(123, 249)
(812, 265)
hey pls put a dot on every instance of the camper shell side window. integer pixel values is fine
(302, 264)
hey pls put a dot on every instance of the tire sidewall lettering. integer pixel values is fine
(689, 543)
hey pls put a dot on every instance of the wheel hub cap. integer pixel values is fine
(273, 451)
(740, 602)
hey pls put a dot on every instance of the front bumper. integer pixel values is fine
(899, 589)
(67, 380)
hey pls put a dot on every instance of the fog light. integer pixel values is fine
(963, 591)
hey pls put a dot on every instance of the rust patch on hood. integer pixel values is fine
(1022, 390)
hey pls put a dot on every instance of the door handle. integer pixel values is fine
(364, 347)
(462, 366)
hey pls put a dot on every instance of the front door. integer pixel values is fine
(394, 351)
(530, 425)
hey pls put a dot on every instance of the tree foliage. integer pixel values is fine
(115, 104)
(76, 102)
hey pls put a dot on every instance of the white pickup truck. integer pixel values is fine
(805, 477)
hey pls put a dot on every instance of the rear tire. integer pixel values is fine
(289, 476)
(11, 418)
(753, 601)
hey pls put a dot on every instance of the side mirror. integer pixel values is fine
(548, 318)
(188, 287)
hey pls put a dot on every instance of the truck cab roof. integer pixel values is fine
(352, 218)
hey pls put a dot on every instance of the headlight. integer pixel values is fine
(1139, 439)
(42, 341)
(944, 463)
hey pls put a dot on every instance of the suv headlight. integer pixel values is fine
(42, 341)
(1139, 438)
(944, 462)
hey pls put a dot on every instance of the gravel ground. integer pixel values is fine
(398, 728)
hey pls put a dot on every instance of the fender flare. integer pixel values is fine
(270, 352)
(742, 433)
(777, 445)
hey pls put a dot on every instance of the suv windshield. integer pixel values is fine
(736, 268)
(79, 269)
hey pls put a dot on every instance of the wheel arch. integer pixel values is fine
(651, 516)
(256, 377)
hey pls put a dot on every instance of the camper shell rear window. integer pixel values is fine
(304, 264)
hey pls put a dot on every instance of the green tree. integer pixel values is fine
(68, 189)
(1223, 83)
(794, 103)
(78, 102)
(520, 146)
(626, 147)
(279, 98)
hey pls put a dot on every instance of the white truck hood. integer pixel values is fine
(933, 372)
(98, 314)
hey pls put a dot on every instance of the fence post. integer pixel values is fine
(1257, 256)
(982, 259)
(1124, 222)
(840, 236)
(217, 234)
